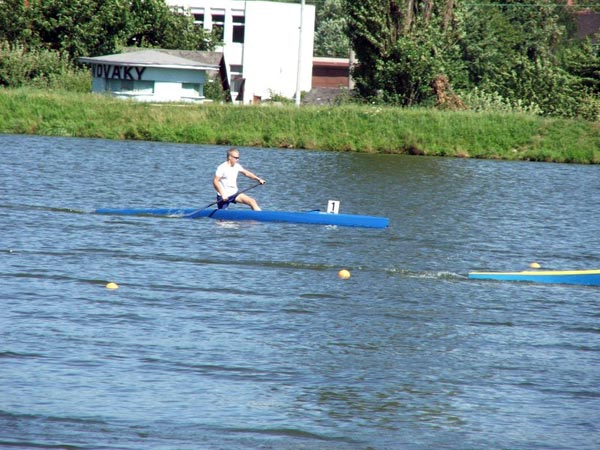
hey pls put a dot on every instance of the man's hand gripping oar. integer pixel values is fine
(229, 200)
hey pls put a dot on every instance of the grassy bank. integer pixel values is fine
(371, 129)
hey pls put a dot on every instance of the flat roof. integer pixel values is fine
(176, 59)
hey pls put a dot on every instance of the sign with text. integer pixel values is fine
(118, 72)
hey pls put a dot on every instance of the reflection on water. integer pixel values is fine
(241, 335)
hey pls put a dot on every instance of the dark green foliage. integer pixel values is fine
(14, 21)
(154, 24)
(520, 50)
(213, 90)
(41, 39)
(524, 51)
(331, 37)
(99, 27)
(582, 60)
(520, 55)
(40, 68)
(402, 48)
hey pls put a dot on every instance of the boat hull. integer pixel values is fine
(582, 277)
(309, 217)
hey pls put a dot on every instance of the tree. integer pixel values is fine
(40, 40)
(582, 59)
(96, 27)
(331, 38)
(156, 25)
(78, 27)
(14, 21)
(402, 47)
(520, 50)
(513, 49)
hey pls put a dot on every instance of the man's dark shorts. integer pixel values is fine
(224, 204)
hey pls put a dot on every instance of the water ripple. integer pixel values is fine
(242, 336)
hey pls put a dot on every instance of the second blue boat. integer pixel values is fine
(582, 277)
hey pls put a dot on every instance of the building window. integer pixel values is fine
(236, 69)
(199, 19)
(192, 89)
(238, 29)
(135, 87)
(218, 25)
(236, 83)
(127, 85)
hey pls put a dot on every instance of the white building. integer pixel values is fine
(268, 46)
(156, 75)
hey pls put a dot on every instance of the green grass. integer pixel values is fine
(354, 128)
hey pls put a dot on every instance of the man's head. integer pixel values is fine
(233, 155)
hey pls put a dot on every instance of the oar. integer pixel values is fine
(214, 203)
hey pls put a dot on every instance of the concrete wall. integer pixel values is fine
(272, 45)
(268, 58)
(160, 85)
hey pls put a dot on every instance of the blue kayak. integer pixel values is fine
(309, 217)
(582, 277)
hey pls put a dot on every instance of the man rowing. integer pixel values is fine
(225, 182)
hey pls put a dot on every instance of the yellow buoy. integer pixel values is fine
(344, 274)
(534, 265)
(112, 285)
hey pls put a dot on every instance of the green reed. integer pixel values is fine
(355, 128)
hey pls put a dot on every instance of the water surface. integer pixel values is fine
(241, 336)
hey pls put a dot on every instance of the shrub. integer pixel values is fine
(480, 101)
(40, 68)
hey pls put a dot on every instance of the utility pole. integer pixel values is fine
(299, 54)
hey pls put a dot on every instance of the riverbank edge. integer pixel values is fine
(347, 128)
